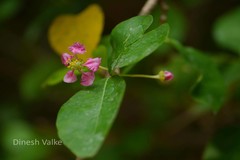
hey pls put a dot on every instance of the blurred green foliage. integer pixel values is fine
(8, 9)
(209, 88)
(31, 84)
(17, 131)
(225, 145)
(226, 30)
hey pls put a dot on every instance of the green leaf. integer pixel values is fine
(131, 45)
(210, 87)
(85, 119)
(56, 77)
(226, 30)
(31, 81)
(129, 31)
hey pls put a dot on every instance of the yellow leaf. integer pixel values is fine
(85, 27)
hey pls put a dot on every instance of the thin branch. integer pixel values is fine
(148, 6)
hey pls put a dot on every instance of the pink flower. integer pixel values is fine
(70, 77)
(87, 78)
(93, 64)
(75, 63)
(77, 48)
(66, 59)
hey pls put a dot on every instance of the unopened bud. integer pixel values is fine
(165, 76)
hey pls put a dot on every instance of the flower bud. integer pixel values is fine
(165, 76)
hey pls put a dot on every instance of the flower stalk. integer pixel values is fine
(103, 68)
(163, 76)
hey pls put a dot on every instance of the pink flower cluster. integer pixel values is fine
(73, 62)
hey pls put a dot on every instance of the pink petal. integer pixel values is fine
(87, 78)
(168, 76)
(66, 58)
(77, 48)
(70, 77)
(93, 64)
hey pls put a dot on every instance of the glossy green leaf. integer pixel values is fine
(84, 120)
(210, 87)
(131, 45)
(226, 31)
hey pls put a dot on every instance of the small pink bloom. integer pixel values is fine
(77, 48)
(87, 78)
(66, 58)
(70, 77)
(93, 64)
(168, 76)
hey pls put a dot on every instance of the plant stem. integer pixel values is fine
(103, 68)
(104, 71)
(140, 76)
(176, 44)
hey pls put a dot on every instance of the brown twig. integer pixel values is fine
(148, 6)
(164, 10)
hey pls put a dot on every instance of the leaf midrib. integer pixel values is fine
(100, 106)
(125, 47)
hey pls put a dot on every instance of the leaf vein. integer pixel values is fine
(100, 106)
